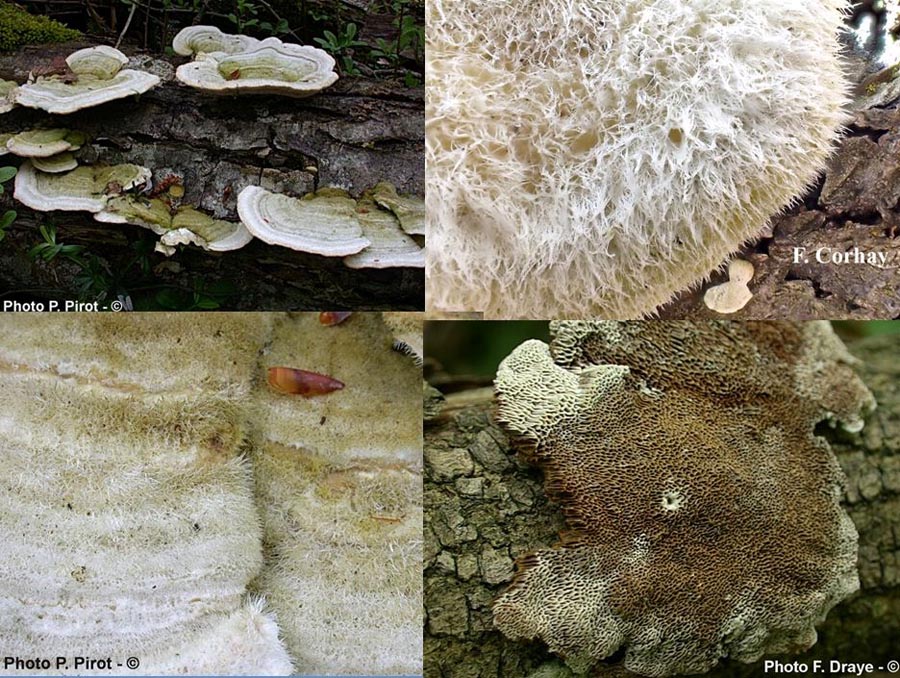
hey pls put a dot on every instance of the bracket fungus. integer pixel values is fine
(323, 223)
(44, 143)
(408, 210)
(179, 226)
(703, 511)
(61, 162)
(195, 40)
(408, 331)
(270, 68)
(99, 78)
(598, 157)
(390, 245)
(87, 188)
(731, 296)
(8, 89)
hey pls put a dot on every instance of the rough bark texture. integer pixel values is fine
(484, 507)
(855, 205)
(353, 135)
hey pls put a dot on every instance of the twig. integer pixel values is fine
(127, 24)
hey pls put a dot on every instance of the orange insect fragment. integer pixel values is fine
(301, 382)
(334, 317)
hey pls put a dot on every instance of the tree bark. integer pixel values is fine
(484, 507)
(353, 135)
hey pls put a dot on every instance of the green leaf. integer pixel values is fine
(7, 173)
(207, 304)
(8, 217)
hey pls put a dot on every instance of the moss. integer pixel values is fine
(18, 27)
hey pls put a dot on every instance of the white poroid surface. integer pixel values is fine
(269, 68)
(326, 224)
(597, 157)
(137, 533)
(340, 477)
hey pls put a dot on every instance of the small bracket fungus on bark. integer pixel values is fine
(207, 39)
(61, 162)
(598, 157)
(8, 89)
(99, 78)
(703, 511)
(86, 188)
(180, 226)
(409, 210)
(325, 223)
(732, 296)
(44, 143)
(270, 68)
(390, 245)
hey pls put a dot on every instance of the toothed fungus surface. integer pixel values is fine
(596, 157)
(703, 512)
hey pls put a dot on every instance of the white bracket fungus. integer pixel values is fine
(732, 296)
(98, 78)
(85, 188)
(44, 143)
(181, 226)
(390, 247)
(8, 90)
(410, 211)
(270, 68)
(61, 162)
(325, 224)
(207, 39)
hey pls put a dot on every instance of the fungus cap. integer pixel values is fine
(86, 188)
(206, 39)
(98, 81)
(100, 62)
(599, 157)
(703, 512)
(8, 90)
(270, 68)
(61, 162)
(410, 211)
(43, 143)
(408, 331)
(731, 296)
(322, 224)
(390, 247)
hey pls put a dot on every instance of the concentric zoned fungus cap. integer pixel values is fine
(85, 188)
(43, 143)
(270, 68)
(408, 330)
(602, 155)
(731, 296)
(98, 79)
(205, 39)
(410, 211)
(325, 223)
(390, 245)
(703, 511)
(61, 162)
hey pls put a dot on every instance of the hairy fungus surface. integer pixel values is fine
(598, 157)
(703, 512)
(99, 78)
(176, 491)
